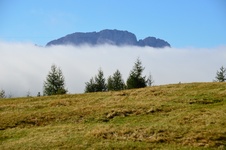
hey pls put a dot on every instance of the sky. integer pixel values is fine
(187, 23)
(194, 28)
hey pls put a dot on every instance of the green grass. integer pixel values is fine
(177, 116)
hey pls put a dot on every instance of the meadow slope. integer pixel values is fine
(176, 116)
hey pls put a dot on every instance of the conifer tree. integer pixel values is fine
(221, 75)
(116, 83)
(90, 86)
(96, 84)
(2, 94)
(150, 80)
(100, 81)
(54, 83)
(135, 79)
(110, 84)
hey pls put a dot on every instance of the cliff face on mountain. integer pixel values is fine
(112, 37)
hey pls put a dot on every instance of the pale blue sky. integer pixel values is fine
(183, 23)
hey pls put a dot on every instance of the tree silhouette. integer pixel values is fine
(115, 82)
(96, 84)
(135, 79)
(2, 94)
(150, 80)
(54, 83)
(221, 75)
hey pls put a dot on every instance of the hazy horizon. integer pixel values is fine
(25, 66)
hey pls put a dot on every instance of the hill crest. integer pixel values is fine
(178, 116)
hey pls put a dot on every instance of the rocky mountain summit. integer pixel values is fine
(112, 37)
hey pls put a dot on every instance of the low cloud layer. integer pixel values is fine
(24, 67)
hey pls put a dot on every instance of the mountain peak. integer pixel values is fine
(108, 36)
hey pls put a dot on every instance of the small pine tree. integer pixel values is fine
(96, 84)
(135, 79)
(54, 83)
(2, 94)
(28, 94)
(150, 80)
(90, 86)
(39, 94)
(116, 83)
(221, 75)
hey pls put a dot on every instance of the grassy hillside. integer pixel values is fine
(179, 116)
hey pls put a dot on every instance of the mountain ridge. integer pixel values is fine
(108, 36)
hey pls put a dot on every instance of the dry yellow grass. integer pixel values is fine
(179, 116)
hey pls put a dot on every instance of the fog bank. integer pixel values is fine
(24, 66)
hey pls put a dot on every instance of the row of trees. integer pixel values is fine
(55, 84)
(55, 81)
(116, 83)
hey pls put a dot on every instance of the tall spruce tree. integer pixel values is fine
(135, 79)
(115, 82)
(100, 81)
(54, 83)
(221, 75)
